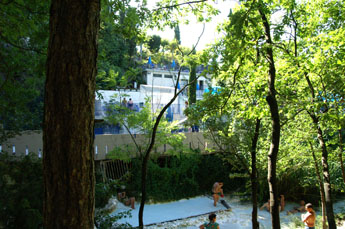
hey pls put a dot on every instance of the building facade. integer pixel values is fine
(159, 86)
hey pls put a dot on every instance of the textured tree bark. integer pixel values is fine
(192, 87)
(341, 150)
(149, 149)
(68, 132)
(147, 157)
(324, 161)
(275, 139)
(326, 180)
(322, 191)
(254, 176)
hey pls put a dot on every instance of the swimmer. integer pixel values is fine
(212, 224)
(300, 208)
(281, 205)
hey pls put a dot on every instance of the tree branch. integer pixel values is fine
(180, 4)
(21, 47)
(233, 84)
(133, 139)
(299, 111)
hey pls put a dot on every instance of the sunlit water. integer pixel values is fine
(239, 217)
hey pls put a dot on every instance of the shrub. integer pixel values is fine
(21, 191)
(188, 175)
(103, 192)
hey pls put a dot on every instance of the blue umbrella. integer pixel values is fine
(173, 64)
(150, 62)
(197, 86)
(178, 86)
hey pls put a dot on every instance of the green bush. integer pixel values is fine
(211, 169)
(21, 191)
(106, 221)
(103, 192)
(188, 175)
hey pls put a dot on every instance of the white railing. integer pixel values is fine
(32, 143)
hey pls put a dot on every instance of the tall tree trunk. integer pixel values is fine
(68, 132)
(327, 179)
(275, 139)
(341, 149)
(254, 176)
(192, 87)
(322, 191)
(147, 154)
(326, 175)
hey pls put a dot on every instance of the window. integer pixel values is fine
(168, 76)
(184, 82)
(201, 85)
(157, 75)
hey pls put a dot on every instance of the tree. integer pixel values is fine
(249, 30)
(149, 148)
(232, 116)
(177, 34)
(23, 45)
(21, 191)
(68, 132)
(151, 144)
(234, 135)
(272, 102)
(192, 87)
(141, 122)
(154, 43)
(321, 77)
(121, 30)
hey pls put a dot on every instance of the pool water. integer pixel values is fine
(191, 213)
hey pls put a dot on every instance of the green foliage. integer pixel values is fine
(169, 13)
(21, 191)
(103, 219)
(122, 26)
(184, 176)
(116, 60)
(104, 191)
(23, 42)
(106, 221)
(154, 43)
(21, 194)
(307, 45)
(142, 122)
(177, 35)
(192, 87)
(211, 169)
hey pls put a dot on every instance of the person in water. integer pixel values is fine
(128, 201)
(212, 224)
(281, 205)
(217, 192)
(300, 208)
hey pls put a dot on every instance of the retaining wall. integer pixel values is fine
(31, 141)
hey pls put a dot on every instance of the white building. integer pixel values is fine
(159, 85)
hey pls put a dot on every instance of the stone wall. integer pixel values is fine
(31, 141)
